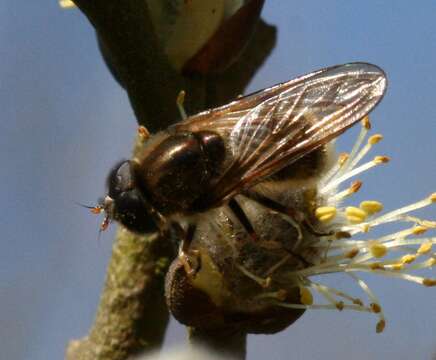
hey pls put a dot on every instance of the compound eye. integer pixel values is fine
(131, 211)
(120, 179)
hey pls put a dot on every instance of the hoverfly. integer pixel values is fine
(206, 160)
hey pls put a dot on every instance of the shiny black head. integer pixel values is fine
(125, 203)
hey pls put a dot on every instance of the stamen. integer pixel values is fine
(355, 215)
(371, 207)
(306, 297)
(180, 101)
(335, 182)
(280, 263)
(378, 250)
(325, 214)
(395, 215)
(374, 139)
(425, 248)
(278, 295)
(265, 283)
(354, 187)
(363, 132)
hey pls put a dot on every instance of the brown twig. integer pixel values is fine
(131, 316)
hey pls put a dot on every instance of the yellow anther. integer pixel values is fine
(282, 294)
(66, 4)
(380, 326)
(376, 308)
(425, 248)
(397, 267)
(419, 230)
(352, 253)
(306, 297)
(376, 266)
(343, 157)
(355, 215)
(433, 197)
(408, 259)
(432, 262)
(358, 302)
(371, 207)
(325, 213)
(378, 250)
(381, 159)
(355, 186)
(429, 282)
(374, 139)
(366, 123)
(366, 228)
(339, 305)
(428, 223)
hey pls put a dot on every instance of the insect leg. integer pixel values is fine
(242, 217)
(298, 216)
(186, 255)
(277, 207)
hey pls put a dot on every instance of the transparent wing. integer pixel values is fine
(274, 127)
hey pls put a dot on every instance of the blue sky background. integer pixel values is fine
(65, 122)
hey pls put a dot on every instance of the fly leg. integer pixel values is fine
(295, 217)
(189, 258)
(242, 218)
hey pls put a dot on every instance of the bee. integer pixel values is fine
(278, 135)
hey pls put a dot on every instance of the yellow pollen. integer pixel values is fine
(376, 308)
(424, 248)
(381, 159)
(366, 123)
(352, 253)
(408, 259)
(376, 266)
(366, 228)
(340, 305)
(419, 230)
(371, 206)
(433, 197)
(306, 297)
(325, 213)
(355, 215)
(429, 282)
(343, 157)
(374, 139)
(378, 250)
(66, 4)
(397, 267)
(355, 186)
(380, 326)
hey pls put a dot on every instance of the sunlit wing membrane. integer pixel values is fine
(274, 127)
